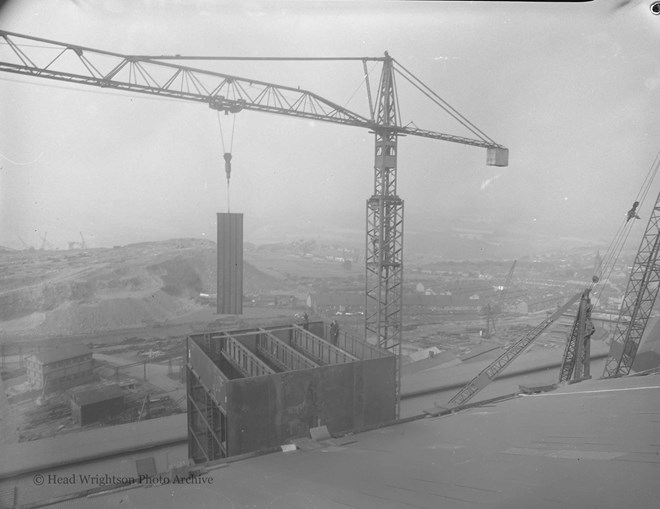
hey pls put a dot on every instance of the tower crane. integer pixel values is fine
(157, 75)
(638, 301)
(25, 245)
(43, 241)
(492, 310)
(507, 285)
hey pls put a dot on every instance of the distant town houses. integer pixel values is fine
(268, 300)
(333, 303)
(256, 300)
(353, 303)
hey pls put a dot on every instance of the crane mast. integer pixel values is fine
(507, 284)
(638, 301)
(384, 247)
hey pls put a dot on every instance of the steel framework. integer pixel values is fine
(384, 249)
(223, 92)
(575, 364)
(638, 301)
(491, 372)
(253, 389)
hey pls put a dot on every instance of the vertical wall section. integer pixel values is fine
(284, 380)
(230, 264)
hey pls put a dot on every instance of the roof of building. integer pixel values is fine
(88, 396)
(544, 451)
(94, 444)
(416, 299)
(338, 299)
(62, 353)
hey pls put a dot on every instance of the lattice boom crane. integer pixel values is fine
(638, 301)
(223, 92)
(493, 370)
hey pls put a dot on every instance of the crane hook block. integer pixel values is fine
(227, 157)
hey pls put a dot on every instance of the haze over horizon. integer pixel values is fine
(570, 89)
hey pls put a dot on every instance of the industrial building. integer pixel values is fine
(332, 303)
(251, 390)
(89, 405)
(60, 368)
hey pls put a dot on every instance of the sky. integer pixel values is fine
(572, 89)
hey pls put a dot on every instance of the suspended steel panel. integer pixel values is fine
(230, 264)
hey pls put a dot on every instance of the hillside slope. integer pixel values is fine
(77, 292)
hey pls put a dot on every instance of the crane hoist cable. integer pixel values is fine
(227, 155)
(604, 270)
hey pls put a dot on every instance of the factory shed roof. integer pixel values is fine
(94, 444)
(90, 395)
(416, 299)
(59, 354)
(338, 299)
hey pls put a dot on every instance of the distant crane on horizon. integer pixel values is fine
(26, 246)
(75, 244)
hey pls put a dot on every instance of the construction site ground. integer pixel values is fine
(135, 305)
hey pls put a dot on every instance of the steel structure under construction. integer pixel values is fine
(638, 301)
(158, 75)
(255, 389)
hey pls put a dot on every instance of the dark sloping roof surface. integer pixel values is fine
(88, 396)
(591, 444)
(59, 354)
(338, 299)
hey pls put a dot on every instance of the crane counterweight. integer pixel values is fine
(497, 156)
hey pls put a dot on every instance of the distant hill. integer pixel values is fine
(103, 289)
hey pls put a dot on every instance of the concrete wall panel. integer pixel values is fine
(378, 390)
(270, 410)
(336, 404)
(252, 414)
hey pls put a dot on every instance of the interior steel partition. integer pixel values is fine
(247, 362)
(282, 354)
(319, 349)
